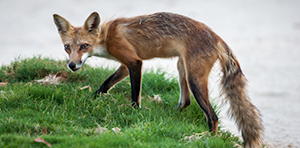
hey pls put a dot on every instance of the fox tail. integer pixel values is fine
(246, 115)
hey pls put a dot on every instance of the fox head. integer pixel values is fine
(79, 42)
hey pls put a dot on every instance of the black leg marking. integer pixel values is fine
(135, 79)
(116, 77)
(201, 96)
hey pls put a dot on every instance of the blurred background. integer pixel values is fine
(264, 35)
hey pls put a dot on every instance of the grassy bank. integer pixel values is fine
(66, 115)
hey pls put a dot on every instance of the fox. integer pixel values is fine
(165, 35)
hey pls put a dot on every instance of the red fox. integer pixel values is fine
(164, 35)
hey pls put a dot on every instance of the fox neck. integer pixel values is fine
(101, 51)
(100, 48)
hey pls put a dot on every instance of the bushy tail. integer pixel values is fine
(233, 83)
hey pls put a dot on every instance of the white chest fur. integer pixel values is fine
(100, 51)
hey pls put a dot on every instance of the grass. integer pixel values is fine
(66, 116)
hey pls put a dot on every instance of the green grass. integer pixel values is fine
(70, 117)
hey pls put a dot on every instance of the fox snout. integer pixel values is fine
(75, 66)
(76, 63)
(72, 66)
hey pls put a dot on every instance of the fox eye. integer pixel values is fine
(84, 46)
(67, 47)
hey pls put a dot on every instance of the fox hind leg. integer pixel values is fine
(200, 92)
(184, 100)
(198, 80)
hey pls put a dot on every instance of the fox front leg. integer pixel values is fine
(116, 77)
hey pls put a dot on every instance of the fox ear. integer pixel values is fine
(61, 23)
(91, 24)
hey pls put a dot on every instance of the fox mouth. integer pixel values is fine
(73, 67)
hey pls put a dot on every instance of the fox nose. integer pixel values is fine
(72, 65)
